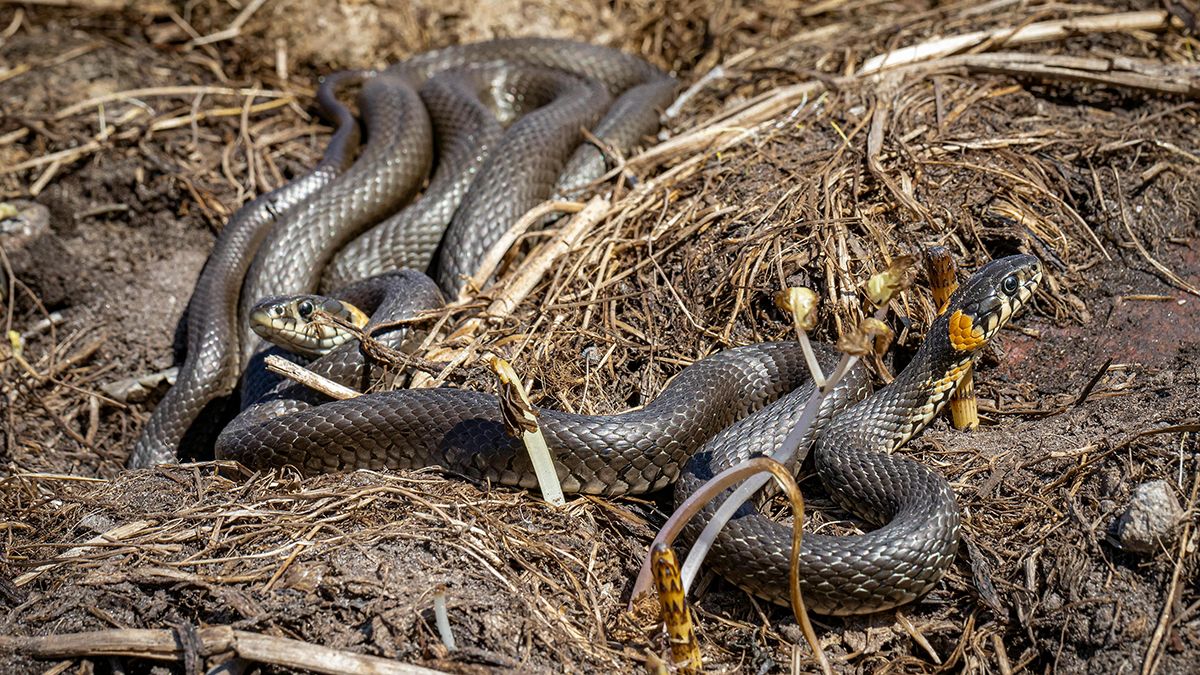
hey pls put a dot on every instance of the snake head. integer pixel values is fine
(300, 324)
(989, 298)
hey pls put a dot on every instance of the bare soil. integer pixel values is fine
(1092, 393)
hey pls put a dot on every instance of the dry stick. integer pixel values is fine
(1035, 32)
(918, 637)
(179, 90)
(675, 108)
(164, 645)
(111, 536)
(297, 373)
(291, 558)
(13, 26)
(491, 259)
(68, 155)
(1121, 71)
(235, 27)
(201, 115)
(1171, 276)
(939, 265)
(43, 180)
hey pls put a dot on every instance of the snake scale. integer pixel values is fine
(507, 116)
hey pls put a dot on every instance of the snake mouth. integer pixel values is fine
(300, 324)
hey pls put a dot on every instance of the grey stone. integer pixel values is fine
(1150, 522)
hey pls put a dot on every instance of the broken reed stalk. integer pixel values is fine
(521, 421)
(442, 618)
(1041, 31)
(676, 615)
(801, 303)
(943, 281)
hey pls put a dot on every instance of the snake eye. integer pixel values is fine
(305, 309)
(1010, 285)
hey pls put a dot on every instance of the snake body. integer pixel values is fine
(212, 364)
(283, 241)
(729, 406)
(723, 409)
(918, 538)
(463, 431)
(522, 171)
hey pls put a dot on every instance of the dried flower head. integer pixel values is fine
(801, 303)
(882, 287)
(872, 335)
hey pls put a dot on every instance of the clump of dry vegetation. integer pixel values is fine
(816, 143)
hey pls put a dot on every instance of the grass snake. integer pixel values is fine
(503, 120)
(509, 116)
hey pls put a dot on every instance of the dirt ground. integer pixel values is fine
(134, 125)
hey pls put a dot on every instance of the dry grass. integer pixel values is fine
(240, 540)
(787, 165)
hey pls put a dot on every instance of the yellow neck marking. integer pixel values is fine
(951, 378)
(963, 335)
(357, 316)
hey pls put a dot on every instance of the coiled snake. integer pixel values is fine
(735, 404)
(545, 90)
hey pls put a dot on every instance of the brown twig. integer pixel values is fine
(165, 645)
(1166, 272)
(297, 373)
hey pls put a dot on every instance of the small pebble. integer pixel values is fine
(1149, 523)
(23, 221)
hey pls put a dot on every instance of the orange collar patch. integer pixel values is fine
(963, 335)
